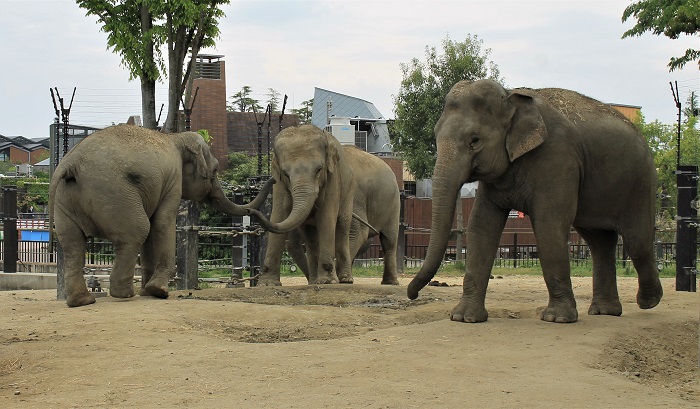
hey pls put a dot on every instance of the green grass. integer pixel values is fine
(450, 269)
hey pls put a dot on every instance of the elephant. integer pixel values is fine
(313, 195)
(124, 183)
(376, 211)
(563, 159)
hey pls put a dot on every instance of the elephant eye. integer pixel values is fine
(474, 142)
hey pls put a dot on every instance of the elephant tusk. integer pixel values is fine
(361, 220)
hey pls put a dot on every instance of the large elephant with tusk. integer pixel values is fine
(563, 159)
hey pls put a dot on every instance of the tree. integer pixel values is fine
(662, 139)
(137, 29)
(242, 102)
(130, 33)
(273, 100)
(691, 107)
(419, 102)
(189, 26)
(304, 113)
(241, 167)
(671, 18)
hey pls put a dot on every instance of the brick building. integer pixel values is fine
(231, 131)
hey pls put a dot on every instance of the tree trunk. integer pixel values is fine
(148, 82)
(148, 103)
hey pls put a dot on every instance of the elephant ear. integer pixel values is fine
(332, 156)
(526, 129)
(195, 152)
(276, 174)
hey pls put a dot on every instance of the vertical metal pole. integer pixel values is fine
(515, 250)
(686, 225)
(401, 245)
(187, 246)
(10, 228)
(237, 243)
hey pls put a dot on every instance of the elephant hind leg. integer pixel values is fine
(389, 243)
(603, 243)
(73, 244)
(640, 248)
(121, 280)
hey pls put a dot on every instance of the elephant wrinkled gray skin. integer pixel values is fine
(313, 195)
(565, 160)
(124, 183)
(377, 201)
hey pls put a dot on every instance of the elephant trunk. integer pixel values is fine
(303, 198)
(220, 202)
(445, 191)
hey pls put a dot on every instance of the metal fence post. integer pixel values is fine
(10, 228)
(401, 245)
(187, 246)
(686, 224)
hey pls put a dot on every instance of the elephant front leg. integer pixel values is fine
(483, 236)
(323, 255)
(342, 250)
(270, 275)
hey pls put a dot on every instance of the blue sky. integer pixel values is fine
(351, 47)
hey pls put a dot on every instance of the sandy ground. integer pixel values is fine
(359, 346)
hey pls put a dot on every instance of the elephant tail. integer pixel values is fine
(363, 221)
(62, 175)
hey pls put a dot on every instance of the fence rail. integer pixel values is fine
(223, 252)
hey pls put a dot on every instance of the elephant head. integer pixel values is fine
(482, 130)
(305, 158)
(200, 180)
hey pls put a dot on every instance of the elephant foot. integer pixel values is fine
(393, 280)
(560, 312)
(467, 311)
(160, 291)
(79, 299)
(331, 278)
(345, 279)
(121, 291)
(602, 307)
(650, 297)
(269, 281)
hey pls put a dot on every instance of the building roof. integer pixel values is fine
(341, 106)
(23, 143)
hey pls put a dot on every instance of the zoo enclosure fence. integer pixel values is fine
(222, 249)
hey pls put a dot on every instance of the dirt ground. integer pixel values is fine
(360, 346)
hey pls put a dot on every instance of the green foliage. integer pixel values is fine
(32, 191)
(663, 142)
(420, 100)
(304, 113)
(671, 18)
(137, 30)
(241, 167)
(206, 135)
(273, 99)
(242, 102)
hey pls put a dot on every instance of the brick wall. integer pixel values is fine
(209, 112)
